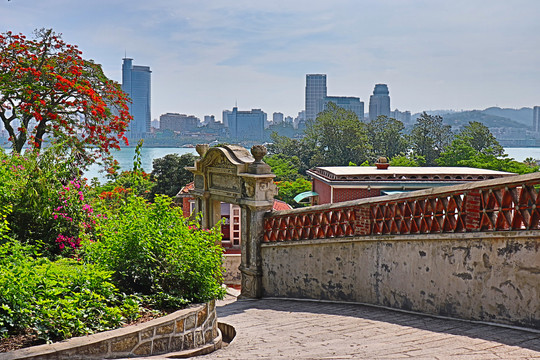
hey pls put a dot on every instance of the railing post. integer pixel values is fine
(472, 211)
(362, 224)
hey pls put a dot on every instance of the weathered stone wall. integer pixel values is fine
(479, 276)
(231, 263)
(182, 330)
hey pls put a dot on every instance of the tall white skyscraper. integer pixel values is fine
(315, 93)
(136, 81)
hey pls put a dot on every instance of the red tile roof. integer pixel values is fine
(281, 205)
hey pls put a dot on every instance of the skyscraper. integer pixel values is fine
(315, 93)
(346, 102)
(379, 102)
(536, 119)
(246, 125)
(136, 83)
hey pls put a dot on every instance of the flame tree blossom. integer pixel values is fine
(48, 90)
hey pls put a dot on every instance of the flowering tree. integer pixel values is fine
(48, 89)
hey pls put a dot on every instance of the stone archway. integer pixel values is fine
(230, 174)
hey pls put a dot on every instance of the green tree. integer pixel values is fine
(386, 137)
(337, 138)
(429, 137)
(471, 142)
(289, 189)
(284, 167)
(409, 161)
(47, 88)
(290, 148)
(170, 174)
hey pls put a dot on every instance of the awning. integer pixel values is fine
(304, 195)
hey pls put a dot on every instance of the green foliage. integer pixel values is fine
(170, 175)
(386, 137)
(32, 185)
(284, 167)
(57, 300)
(494, 163)
(429, 137)
(135, 181)
(292, 147)
(289, 189)
(402, 160)
(337, 137)
(472, 141)
(152, 249)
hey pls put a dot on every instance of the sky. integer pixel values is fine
(208, 55)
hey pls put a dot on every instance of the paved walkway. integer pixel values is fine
(288, 329)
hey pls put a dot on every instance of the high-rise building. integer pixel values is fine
(136, 84)
(536, 119)
(315, 93)
(403, 116)
(277, 118)
(346, 102)
(246, 125)
(178, 122)
(379, 102)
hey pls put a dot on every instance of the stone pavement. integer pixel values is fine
(289, 329)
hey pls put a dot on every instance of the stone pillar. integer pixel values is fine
(259, 191)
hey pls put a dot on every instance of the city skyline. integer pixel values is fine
(207, 56)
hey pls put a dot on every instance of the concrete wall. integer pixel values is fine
(232, 275)
(479, 276)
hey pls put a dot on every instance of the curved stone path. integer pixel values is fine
(289, 329)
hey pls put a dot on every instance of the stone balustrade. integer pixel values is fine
(509, 203)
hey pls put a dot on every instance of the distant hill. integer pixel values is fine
(523, 115)
(492, 121)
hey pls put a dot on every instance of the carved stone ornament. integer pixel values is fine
(249, 188)
(258, 152)
(202, 149)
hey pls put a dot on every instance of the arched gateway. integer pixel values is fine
(230, 174)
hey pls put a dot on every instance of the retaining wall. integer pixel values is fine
(182, 330)
(478, 276)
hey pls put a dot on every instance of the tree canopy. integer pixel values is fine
(429, 137)
(48, 89)
(337, 137)
(386, 137)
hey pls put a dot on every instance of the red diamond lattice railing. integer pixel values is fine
(510, 203)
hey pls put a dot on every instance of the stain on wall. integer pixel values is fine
(481, 276)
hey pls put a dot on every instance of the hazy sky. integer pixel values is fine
(207, 55)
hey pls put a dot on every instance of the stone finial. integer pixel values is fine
(202, 149)
(382, 163)
(258, 152)
(259, 166)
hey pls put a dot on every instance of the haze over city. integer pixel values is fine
(207, 56)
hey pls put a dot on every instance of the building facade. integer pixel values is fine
(379, 102)
(403, 116)
(333, 184)
(136, 83)
(536, 119)
(246, 125)
(178, 122)
(346, 102)
(315, 93)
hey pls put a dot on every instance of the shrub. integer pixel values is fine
(152, 249)
(32, 184)
(56, 300)
(170, 174)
